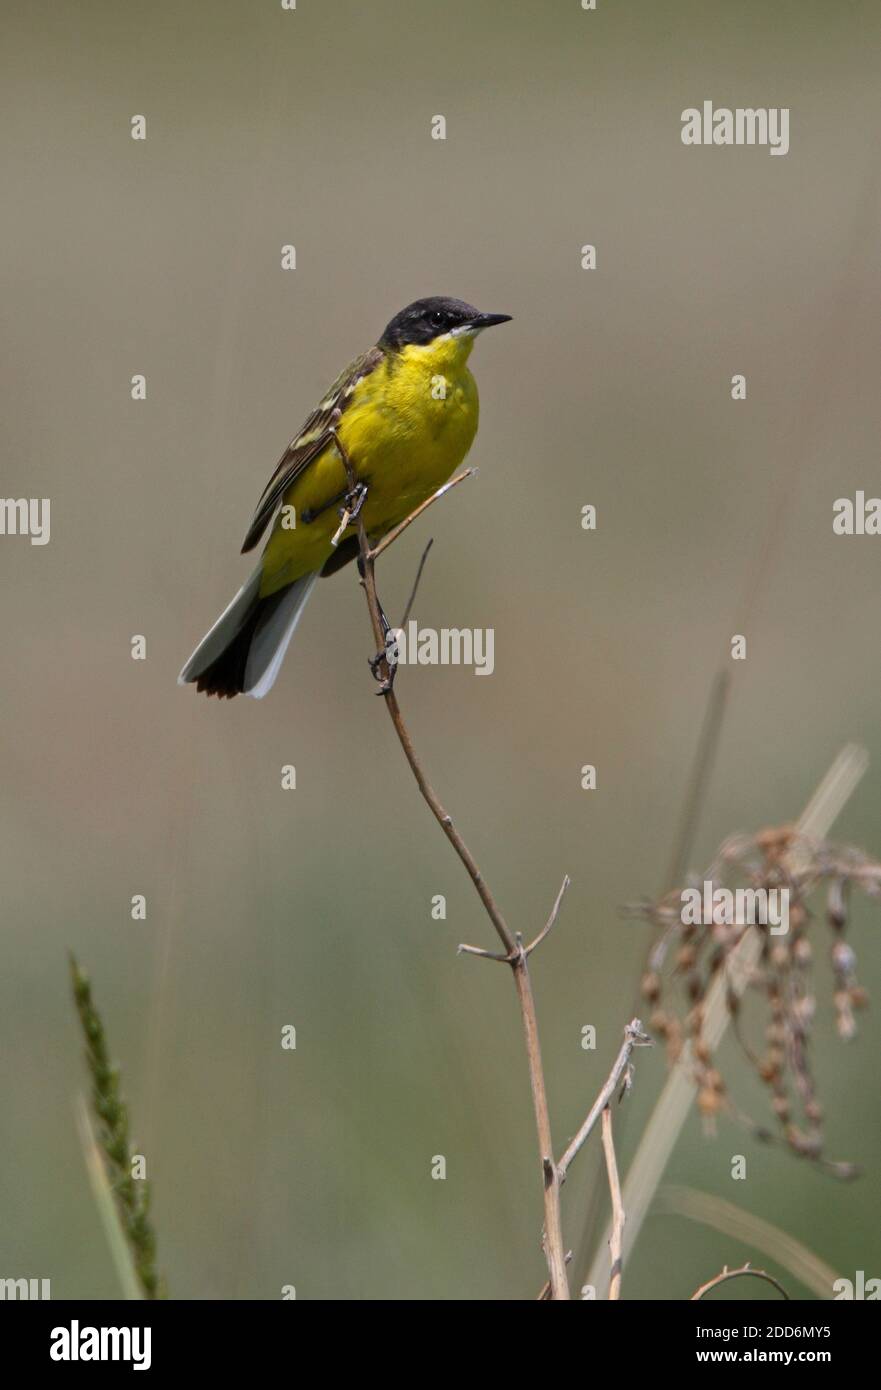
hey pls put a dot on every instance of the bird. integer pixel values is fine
(405, 413)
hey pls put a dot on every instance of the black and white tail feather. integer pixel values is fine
(243, 652)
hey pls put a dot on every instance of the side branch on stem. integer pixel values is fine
(634, 1036)
(621, 1074)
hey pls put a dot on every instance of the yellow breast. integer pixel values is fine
(410, 424)
(406, 428)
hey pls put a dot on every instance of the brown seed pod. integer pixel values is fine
(650, 986)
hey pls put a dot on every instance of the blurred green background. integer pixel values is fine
(610, 387)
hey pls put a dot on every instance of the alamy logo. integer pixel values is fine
(448, 646)
(25, 1288)
(77, 1343)
(860, 517)
(25, 516)
(857, 1289)
(746, 907)
(745, 125)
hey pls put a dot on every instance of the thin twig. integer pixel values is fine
(555, 912)
(621, 1071)
(514, 952)
(396, 531)
(616, 1238)
(412, 599)
(464, 949)
(634, 1036)
(368, 580)
(727, 1274)
(699, 775)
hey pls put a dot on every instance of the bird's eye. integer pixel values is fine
(436, 318)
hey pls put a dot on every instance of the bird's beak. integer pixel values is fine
(480, 322)
(488, 320)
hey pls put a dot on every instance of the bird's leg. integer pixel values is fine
(388, 653)
(355, 495)
(354, 502)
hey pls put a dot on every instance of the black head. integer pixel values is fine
(427, 319)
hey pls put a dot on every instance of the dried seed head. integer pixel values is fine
(709, 1102)
(651, 986)
(847, 1027)
(844, 958)
(798, 915)
(659, 1023)
(781, 980)
(685, 958)
(810, 1144)
(836, 907)
(803, 952)
(695, 1020)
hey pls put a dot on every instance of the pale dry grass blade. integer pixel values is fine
(754, 1231)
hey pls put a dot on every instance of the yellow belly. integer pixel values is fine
(406, 428)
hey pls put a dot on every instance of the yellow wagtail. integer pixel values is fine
(406, 415)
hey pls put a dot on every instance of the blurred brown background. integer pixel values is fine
(612, 387)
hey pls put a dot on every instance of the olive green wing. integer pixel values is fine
(311, 441)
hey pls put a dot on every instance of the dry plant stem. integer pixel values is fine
(619, 1075)
(634, 1036)
(515, 954)
(616, 1238)
(545, 1295)
(553, 1233)
(737, 1274)
(700, 775)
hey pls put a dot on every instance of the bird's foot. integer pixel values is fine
(353, 501)
(384, 665)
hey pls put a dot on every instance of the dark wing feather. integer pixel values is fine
(311, 441)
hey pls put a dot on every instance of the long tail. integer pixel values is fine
(243, 652)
